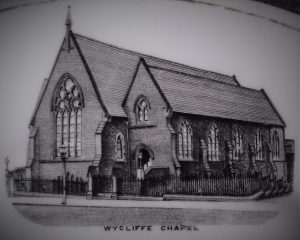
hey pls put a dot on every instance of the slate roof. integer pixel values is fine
(189, 94)
(113, 69)
(188, 90)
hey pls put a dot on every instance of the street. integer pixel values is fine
(101, 216)
(81, 212)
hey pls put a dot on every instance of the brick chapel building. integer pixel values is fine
(124, 113)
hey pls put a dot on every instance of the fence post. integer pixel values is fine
(89, 194)
(11, 186)
(114, 187)
(54, 185)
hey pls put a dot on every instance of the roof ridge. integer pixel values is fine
(191, 75)
(44, 86)
(90, 74)
(153, 57)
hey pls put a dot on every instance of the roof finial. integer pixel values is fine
(68, 29)
(69, 19)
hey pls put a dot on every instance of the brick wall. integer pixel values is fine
(280, 162)
(281, 172)
(155, 134)
(109, 154)
(281, 136)
(35, 170)
(200, 126)
(91, 114)
(51, 170)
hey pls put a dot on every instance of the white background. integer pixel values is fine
(261, 53)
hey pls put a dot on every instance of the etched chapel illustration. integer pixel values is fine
(122, 114)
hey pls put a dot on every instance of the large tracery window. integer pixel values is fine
(237, 143)
(68, 104)
(185, 140)
(275, 145)
(213, 143)
(258, 142)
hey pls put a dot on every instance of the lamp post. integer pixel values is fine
(6, 160)
(63, 155)
(9, 179)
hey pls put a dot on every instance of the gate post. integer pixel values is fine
(114, 187)
(12, 186)
(89, 194)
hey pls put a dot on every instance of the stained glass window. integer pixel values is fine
(237, 143)
(67, 106)
(258, 142)
(185, 136)
(213, 143)
(275, 145)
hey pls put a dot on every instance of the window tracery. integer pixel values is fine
(185, 135)
(68, 102)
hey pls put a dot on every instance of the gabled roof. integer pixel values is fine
(113, 69)
(46, 81)
(191, 95)
(185, 89)
(142, 61)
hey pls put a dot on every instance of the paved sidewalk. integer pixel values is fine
(81, 201)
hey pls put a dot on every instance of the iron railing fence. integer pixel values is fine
(206, 186)
(102, 185)
(73, 186)
(238, 186)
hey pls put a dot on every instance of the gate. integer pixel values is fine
(137, 187)
(102, 185)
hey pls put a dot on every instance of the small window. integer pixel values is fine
(213, 144)
(275, 145)
(142, 110)
(258, 142)
(185, 135)
(120, 147)
(237, 143)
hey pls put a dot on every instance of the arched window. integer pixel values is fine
(120, 147)
(67, 104)
(185, 135)
(275, 145)
(213, 143)
(258, 142)
(237, 143)
(142, 109)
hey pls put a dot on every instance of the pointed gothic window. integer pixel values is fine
(185, 140)
(67, 105)
(237, 143)
(120, 147)
(258, 142)
(213, 143)
(275, 145)
(142, 110)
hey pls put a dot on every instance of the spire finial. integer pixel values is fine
(68, 29)
(69, 19)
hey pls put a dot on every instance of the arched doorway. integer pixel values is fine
(143, 157)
